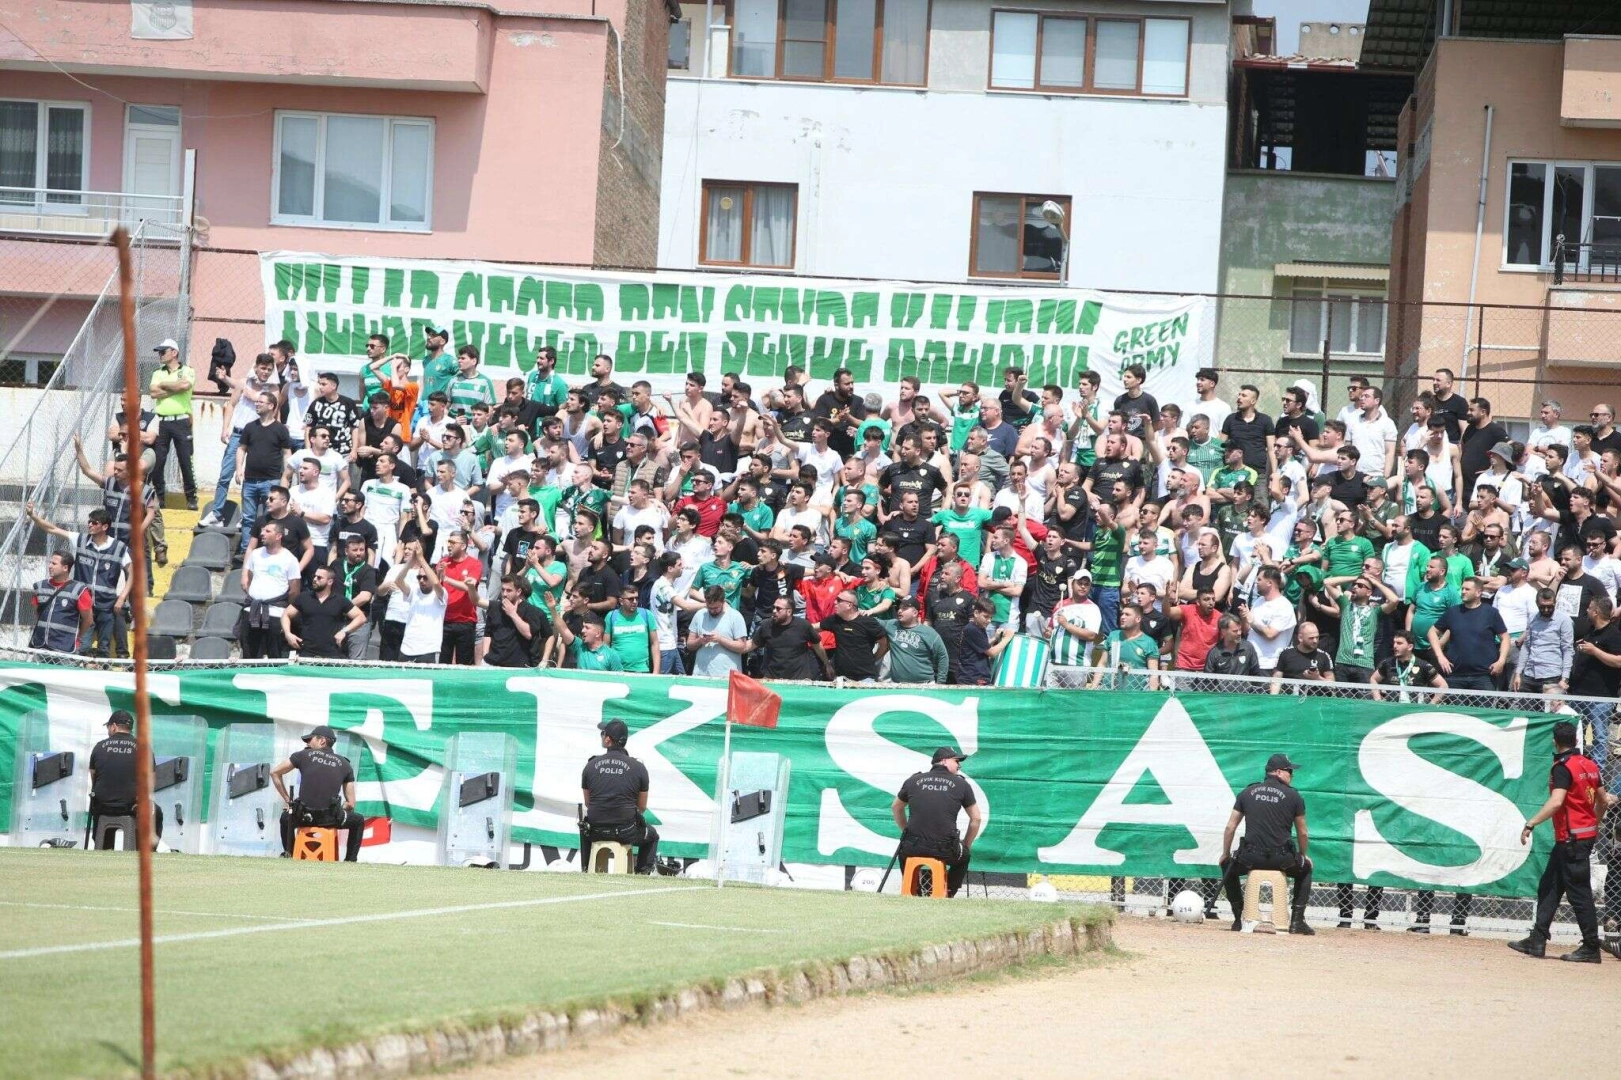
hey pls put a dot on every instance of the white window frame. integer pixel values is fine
(316, 221)
(1325, 293)
(41, 144)
(1545, 262)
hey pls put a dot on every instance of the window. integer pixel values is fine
(1081, 54)
(359, 171)
(861, 41)
(1580, 201)
(1012, 239)
(680, 45)
(44, 144)
(1358, 322)
(748, 224)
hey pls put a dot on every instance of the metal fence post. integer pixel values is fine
(1328, 336)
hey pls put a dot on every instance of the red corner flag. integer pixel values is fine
(749, 702)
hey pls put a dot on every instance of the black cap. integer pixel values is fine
(1001, 514)
(322, 732)
(1280, 761)
(948, 753)
(437, 330)
(616, 730)
(121, 718)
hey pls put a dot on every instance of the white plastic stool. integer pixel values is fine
(609, 857)
(1278, 885)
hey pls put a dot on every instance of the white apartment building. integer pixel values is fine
(918, 139)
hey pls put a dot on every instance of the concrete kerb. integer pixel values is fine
(540, 1031)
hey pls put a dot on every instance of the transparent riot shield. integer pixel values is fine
(475, 805)
(180, 745)
(244, 818)
(50, 792)
(749, 818)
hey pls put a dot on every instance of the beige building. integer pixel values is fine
(1506, 240)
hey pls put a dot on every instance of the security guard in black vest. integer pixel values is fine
(926, 810)
(613, 789)
(1268, 810)
(326, 792)
(112, 776)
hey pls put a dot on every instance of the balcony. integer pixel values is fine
(1590, 90)
(93, 214)
(1586, 264)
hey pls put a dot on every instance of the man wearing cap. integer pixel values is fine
(112, 775)
(171, 397)
(326, 792)
(1268, 810)
(926, 809)
(613, 791)
(438, 366)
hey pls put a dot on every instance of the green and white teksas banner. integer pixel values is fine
(1069, 780)
(659, 326)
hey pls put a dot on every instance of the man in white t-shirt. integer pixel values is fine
(445, 500)
(641, 509)
(425, 612)
(1149, 566)
(516, 445)
(1373, 433)
(270, 578)
(1548, 428)
(1076, 623)
(1516, 601)
(387, 500)
(1271, 620)
(333, 467)
(316, 503)
(819, 454)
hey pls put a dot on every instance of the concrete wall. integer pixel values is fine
(886, 175)
(1279, 217)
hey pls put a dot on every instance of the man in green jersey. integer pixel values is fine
(468, 387)
(853, 524)
(589, 647)
(965, 521)
(1359, 613)
(544, 386)
(1129, 648)
(633, 633)
(438, 366)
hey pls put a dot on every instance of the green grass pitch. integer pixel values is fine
(253, 964)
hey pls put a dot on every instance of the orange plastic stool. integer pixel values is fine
(937, 876)
(316, 845)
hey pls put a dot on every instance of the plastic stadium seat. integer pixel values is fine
(220, 620)
(211, 648)
(173, 618)
(160, 648)
(193, 583)
(231, 591)
(210, 549)
(230, 520)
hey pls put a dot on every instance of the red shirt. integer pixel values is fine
(1197, 637)
(710, 511)
(1038, 533)
(819, 597)
(970, 581)
(459, 605)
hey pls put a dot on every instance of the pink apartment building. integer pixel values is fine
(524, 130)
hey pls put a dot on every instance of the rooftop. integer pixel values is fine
(1400, 33)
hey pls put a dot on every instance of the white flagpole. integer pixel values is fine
(724, 810)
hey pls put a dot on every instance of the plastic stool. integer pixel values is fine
(1279, 886)
(909, 873)
(609, 857)
(313, 844)
(123, 826)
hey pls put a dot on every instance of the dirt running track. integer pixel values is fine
(1189, 1002)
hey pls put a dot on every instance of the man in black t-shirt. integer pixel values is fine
(325, 617)
(950, 606)
(1305, 661)
(263, 446)
(926, 809)
(910, 473)
(326, 792)
(112, 775)
(772, 578)
(914, 534)
(350, 521)
(859, 641)
(1268, 810)
(613, 792)
(790, 646)
(517, 542)
(356, 581)
(514, 627)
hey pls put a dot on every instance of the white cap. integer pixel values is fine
(167, 344)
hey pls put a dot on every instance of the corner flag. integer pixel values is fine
(748, 701)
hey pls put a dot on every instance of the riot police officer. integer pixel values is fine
(112, 775)
(326, 792)
(613, 789)
(926, 810)
(1576, 803)
(1268, 809)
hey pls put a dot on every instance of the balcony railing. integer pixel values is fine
(67, 212)
(1586, 263)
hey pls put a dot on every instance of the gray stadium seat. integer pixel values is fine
(159, 647)
(219, 620)
(230, 520)
(173, 618)
(211, 648)
(231, 591)
(193, 583)
(211, 550)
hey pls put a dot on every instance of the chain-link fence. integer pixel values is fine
(83, 400)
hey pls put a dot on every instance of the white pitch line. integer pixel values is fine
(165, 911)
(346, 920)
(706, 926)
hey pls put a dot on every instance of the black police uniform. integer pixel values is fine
(614, 779)
(933, 799)
(1269, 809)
(319, 803)
(112, 789)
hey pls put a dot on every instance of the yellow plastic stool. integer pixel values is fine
(609, 857)
(1278, 884)
(312, 844)
(937, 876)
